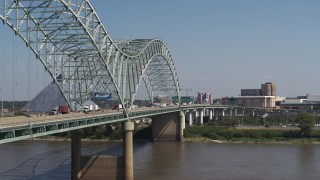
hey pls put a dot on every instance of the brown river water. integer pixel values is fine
(187, 160)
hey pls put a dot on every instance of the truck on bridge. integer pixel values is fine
(64, 109)
(90, 108)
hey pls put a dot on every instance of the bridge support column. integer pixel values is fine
(190, 117)
(181, 126)
(201, 116)
(167, 127)
(230, 112)
(75, 155)
(223, 112)
(235, 111)
(128, 150)
(196, 116)
(213, 114)
(210, 114)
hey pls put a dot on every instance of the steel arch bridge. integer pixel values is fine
(71, 42)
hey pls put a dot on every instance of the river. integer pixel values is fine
(188, 160)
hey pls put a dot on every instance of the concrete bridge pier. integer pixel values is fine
(103, 167)
(230, 112)
(75, 155)
(213, 113)
(201, 115)
(210, 114)
(181, 125)
(235, 111)
(128, 127)
(196, 114)
(223, 112)
(190, 117)
(168, 127)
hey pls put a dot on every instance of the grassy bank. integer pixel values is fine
(233, 135)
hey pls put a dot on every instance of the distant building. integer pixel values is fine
(309, 102)
(251, 92)
(205, 98)
(267, 89)
(263, 98)
(217, 101)
(251, 101)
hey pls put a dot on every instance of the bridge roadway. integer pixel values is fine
(19, 128)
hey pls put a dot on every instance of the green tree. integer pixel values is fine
(306, 122)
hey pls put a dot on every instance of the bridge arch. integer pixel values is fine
(153, 64)
(71, 42)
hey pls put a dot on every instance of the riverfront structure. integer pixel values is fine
(267, 89)
(263, 98)
(309, 102)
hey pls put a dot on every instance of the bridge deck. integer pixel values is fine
(18, 128)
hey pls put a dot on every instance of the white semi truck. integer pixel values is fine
(90, 108)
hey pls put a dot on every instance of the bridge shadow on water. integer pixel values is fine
(48, 165)
(56, 164)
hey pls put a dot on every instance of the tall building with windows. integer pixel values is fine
(205, 98)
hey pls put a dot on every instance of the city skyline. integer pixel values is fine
(217, 46)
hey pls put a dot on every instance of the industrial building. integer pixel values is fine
(263, 98)
(251, 92)
(253, 101)
(267, 89)
(309, 102)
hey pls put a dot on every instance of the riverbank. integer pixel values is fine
(214, 134)
(254, 141)
(202, 139)
(217, 134)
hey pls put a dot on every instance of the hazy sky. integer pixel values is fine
(221, 46)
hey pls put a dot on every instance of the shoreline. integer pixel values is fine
(200, 139)
(253, 141)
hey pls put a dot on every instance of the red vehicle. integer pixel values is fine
(118, 106)
(63, 109)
